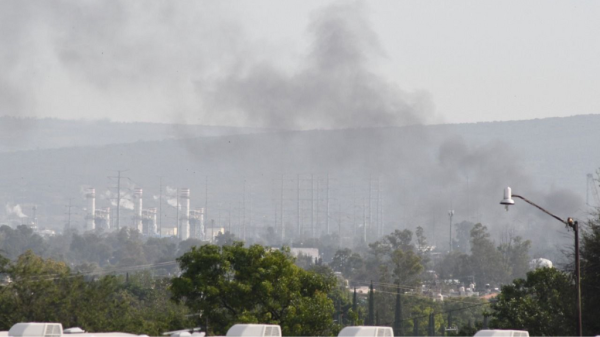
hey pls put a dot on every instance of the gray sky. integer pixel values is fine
(280, 64)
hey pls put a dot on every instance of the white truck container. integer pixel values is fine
(501, 333)
(366, 331)
(254, 330)
(36, 330)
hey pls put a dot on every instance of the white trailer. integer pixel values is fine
(502, 333)
(366, 331)
(254, 330)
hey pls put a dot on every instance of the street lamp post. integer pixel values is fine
(574, 225)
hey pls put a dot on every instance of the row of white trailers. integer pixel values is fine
(238, 330)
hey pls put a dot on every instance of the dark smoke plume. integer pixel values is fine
(334, 88)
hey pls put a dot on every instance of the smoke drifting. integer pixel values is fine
(14, 211)
(334, 87)
(125, 200)
(139, 60)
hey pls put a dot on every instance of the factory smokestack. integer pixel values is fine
(102, 218)
(184, 218)
(137, 209)
(150, 221)
(90, 222)
(197, 223)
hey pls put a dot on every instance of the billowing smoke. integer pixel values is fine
(126, 203)
(126, 199)
(14, 211)
(172, 197)
(335, 87)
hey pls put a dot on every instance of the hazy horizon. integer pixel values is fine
(312, 65)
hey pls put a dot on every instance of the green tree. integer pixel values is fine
(225, 239)
(421, 239)
(406, 267)
(45, 290)
(347, 262)
(486, 261)
(371, 317)
(515, 253)
(15, 242)
(233, 284)
(398, 326)
(462, 243)
(542, 304)
(590, 274)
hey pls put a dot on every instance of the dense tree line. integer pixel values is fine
(94, 266)
(37, 289)
(544, 302)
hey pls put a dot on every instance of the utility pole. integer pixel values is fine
(69, 206)
(379, 228)
(318, 207)
(299, 224)
(229, 218)
(118, 200)
(118, 220)
(364, 221)
(370, 192)
(281, 213)
(34, 219)
(382, 221)
(160, 197)
(244, 212)
(177, 221)
(450, 215)
(469, 213)
(206, 200)
(312, 204)
(327, 206)
(354, 222)
(240, 221)
(340, 224)
(250, 211)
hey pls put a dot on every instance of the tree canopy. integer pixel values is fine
(542, 304)
(233, 284)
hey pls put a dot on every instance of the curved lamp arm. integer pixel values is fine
(569, 222)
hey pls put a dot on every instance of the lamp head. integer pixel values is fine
(507, 200)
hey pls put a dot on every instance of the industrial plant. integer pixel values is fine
(189, 222)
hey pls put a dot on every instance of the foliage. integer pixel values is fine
(16, 241)
(515, 253)
(233, 284)
(462, 243)
(590, 274)
(45, 290)
(486, 261)
(225, 239)
(541, 304)
(349, 263)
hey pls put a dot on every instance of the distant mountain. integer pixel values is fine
(557, 151)
(406, 175)
(18, 134)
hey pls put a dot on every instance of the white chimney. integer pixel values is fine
(150, 221)
(102, 218)
(184, 218)
(137, 209)
(90, 224)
